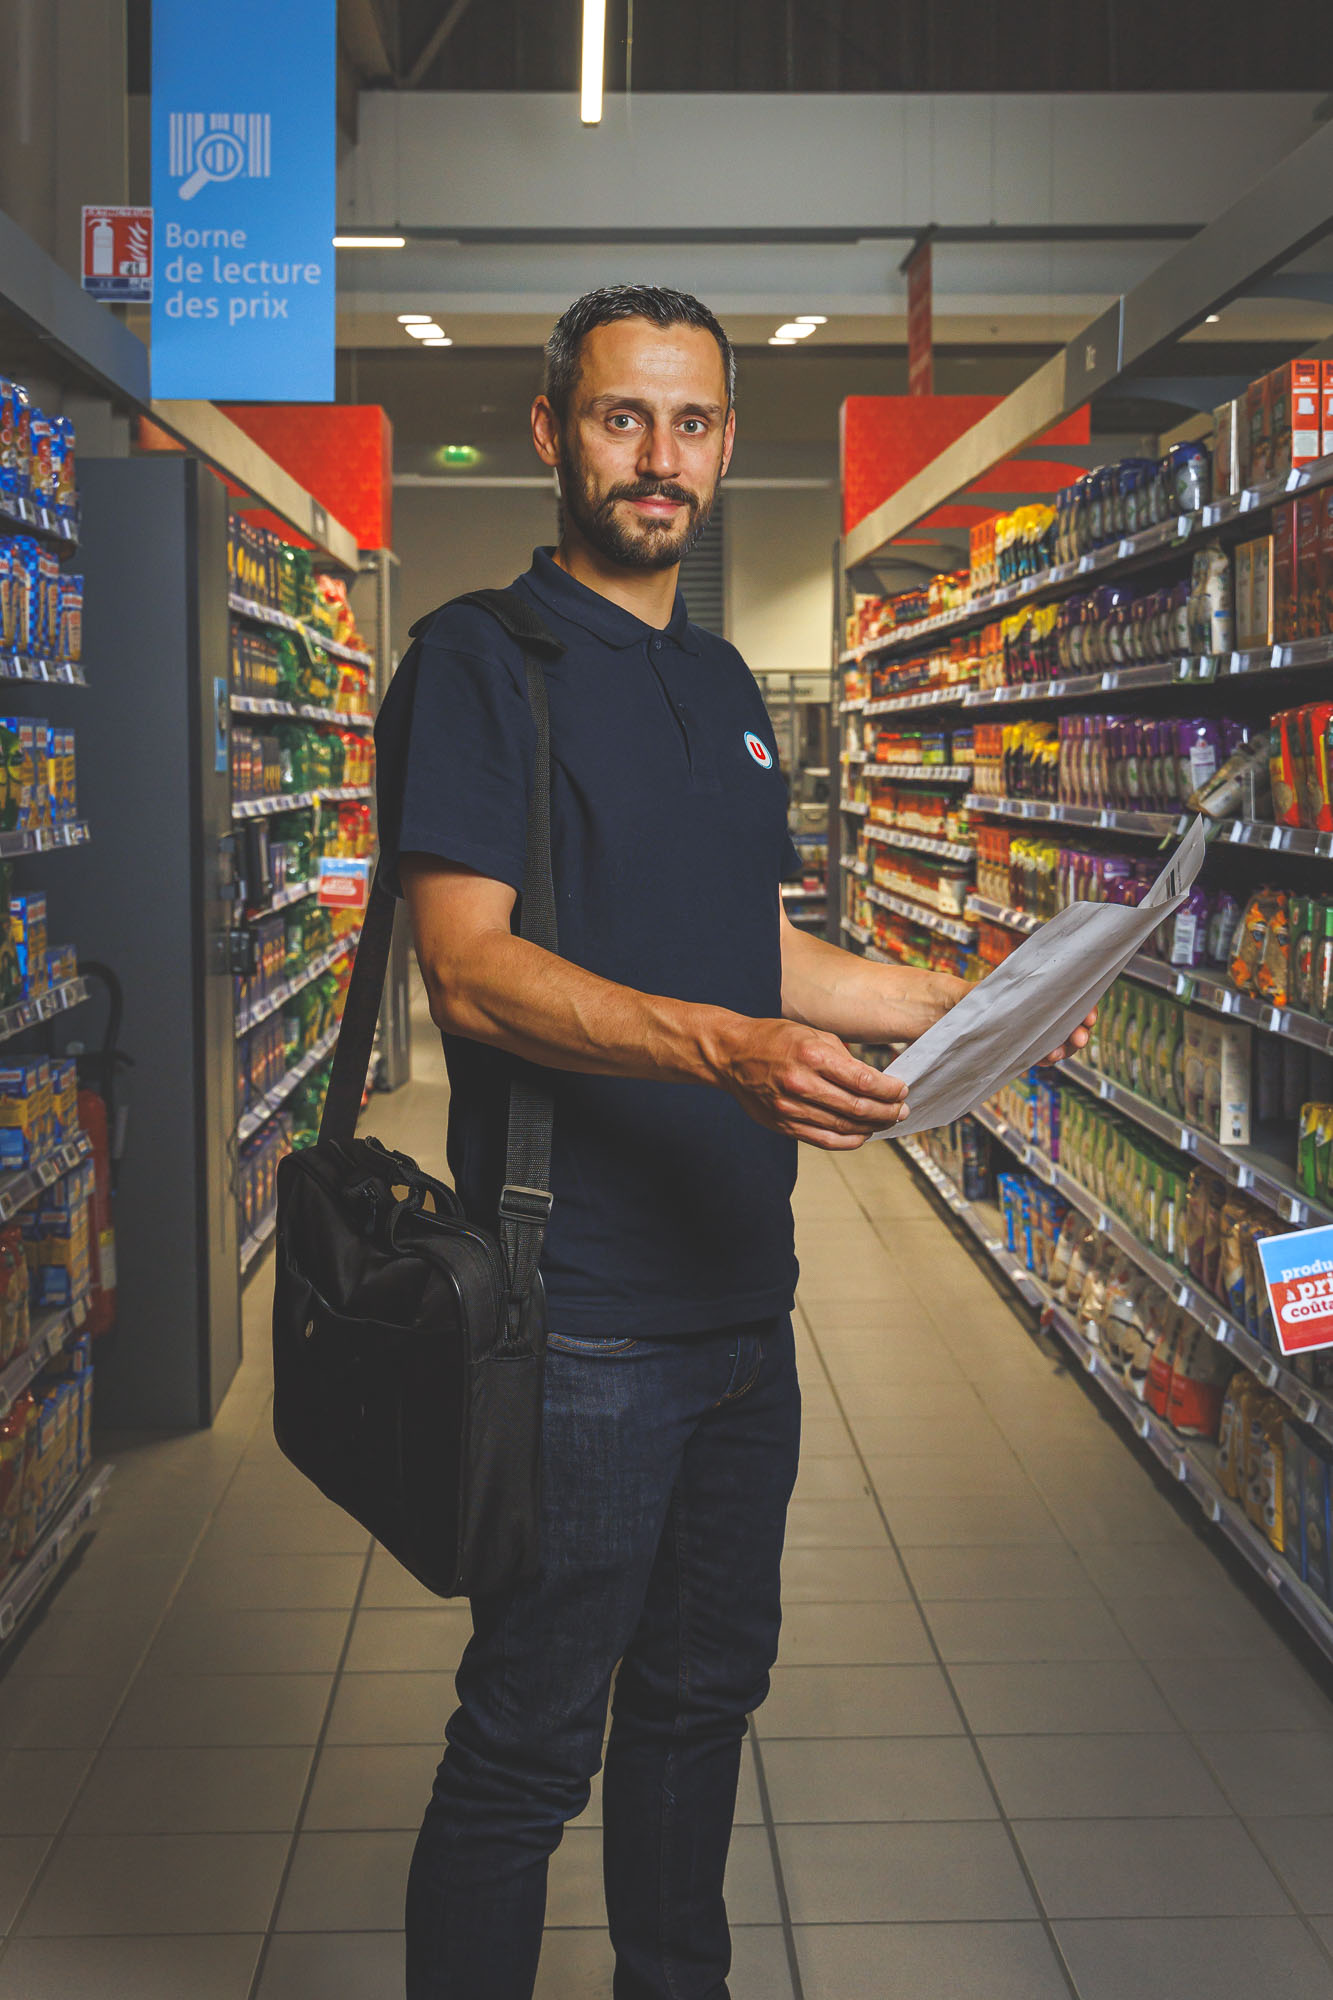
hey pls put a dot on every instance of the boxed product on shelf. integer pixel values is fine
(27, 1117)
(62, 965)
(27, 923)
(58, 1246)
(1315, 1151)
(36, 454)
(15, 1321)
(963, 1151)
(912, 746)
(1254, 592)
(1218, 1062)
(1294, 415)
(941, 885)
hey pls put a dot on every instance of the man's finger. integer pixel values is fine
(859, 1079)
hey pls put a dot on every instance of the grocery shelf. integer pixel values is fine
(272, 1100)
(23, 1185)
(44, 839)
(21, 512)
(264, 704)
(852, 865)
(276, 802)
(1209, 990)
(1189, 1461)
(1199, 1305)
(263, 614)
(27, 1013)
(31, 1580)
(1201, 989)
(920, 843)
(22, 667)
(51, 1331)
(287, 988)
(282, 899)
(1182, 669)
(791, 894)
(1179, 533)
(1158, 825)
(257, 1241)
(855, 805)
(920, 913)
(857, 931)
(1248, 1168)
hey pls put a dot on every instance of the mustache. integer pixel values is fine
(649, 489)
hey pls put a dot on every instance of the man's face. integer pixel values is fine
(646, 440)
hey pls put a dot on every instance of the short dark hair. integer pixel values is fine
(613, 302)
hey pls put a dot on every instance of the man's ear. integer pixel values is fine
(728, 441)
(545, 432)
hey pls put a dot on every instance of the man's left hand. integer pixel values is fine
(1078, 1040)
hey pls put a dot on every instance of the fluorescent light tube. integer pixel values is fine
(794, 330)
(780, 340)
(437, 340)
(811, 319)
(594, 55)
(369, 242)
(427, 332)
(415, 319)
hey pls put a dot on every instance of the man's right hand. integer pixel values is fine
(805, 1083)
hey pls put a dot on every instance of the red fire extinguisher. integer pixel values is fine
(102, 1298)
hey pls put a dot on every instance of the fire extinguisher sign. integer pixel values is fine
(118, 255)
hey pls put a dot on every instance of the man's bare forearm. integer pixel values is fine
(857, 998)
(513, 995)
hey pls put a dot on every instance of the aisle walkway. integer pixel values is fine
(1027, 1737)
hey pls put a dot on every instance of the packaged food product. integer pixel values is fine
(1230, 1448)
(1315, 1520)
(1199, 1370)
(1293, 1483)
(1272, 1475)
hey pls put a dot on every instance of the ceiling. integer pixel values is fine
(842, 45)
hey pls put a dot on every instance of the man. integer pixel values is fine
(692, 1036)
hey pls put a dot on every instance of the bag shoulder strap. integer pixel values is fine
(525, 1203)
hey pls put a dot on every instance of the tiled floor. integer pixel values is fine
(1028, 1737)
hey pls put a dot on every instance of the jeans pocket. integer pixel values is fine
(593, 1345)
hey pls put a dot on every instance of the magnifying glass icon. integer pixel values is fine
(219, 156)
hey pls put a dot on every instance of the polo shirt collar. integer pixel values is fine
(608, 622)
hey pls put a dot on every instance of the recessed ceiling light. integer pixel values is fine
(1211, 319)
(369, 242)
(414, 319)
(795, 329)
(437, 340)
(427, 331)
(811, 319)
(780, 340)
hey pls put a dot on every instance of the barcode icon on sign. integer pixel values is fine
(209, 146)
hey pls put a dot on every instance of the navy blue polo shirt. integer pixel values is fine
(672, 1209)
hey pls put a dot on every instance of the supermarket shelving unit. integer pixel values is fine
(1281, 219)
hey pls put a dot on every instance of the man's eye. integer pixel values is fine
(622, 418)
(694, 425)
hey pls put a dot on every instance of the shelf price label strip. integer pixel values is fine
(920, 913)
(262, 704)
(920, 843)
(276, 802)
(19, 1188)
(50, 1333)
(263, 614)
(1180, 1456)
(25, 1585)
(289, 987)
(27, 1013)
(274, 1099)
(44, 839)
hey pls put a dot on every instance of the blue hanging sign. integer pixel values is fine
(244, 200)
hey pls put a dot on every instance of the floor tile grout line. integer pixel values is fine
(252, 1992)
(1048, 1927)
(775, 1857)
(1325, 1949)
(134, 1675)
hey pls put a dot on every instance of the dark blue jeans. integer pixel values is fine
(668, 1468)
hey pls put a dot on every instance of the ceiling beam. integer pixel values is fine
(445, 28)
(370, 37)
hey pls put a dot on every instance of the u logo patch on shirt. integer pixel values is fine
(759, 750)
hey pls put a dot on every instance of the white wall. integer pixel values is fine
(472, 539)
(780, 576)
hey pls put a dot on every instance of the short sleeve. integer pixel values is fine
(455, 744)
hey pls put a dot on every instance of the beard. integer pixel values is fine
(632, 541)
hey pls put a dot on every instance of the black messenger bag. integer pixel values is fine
(408, 1342)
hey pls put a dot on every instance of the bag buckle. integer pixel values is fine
(525, 1204)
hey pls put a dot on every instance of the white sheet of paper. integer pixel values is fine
(1033, 1001)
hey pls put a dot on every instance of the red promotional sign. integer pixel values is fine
(1298, 1271)
(344, 883)
(920, 369)
(118, 254)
